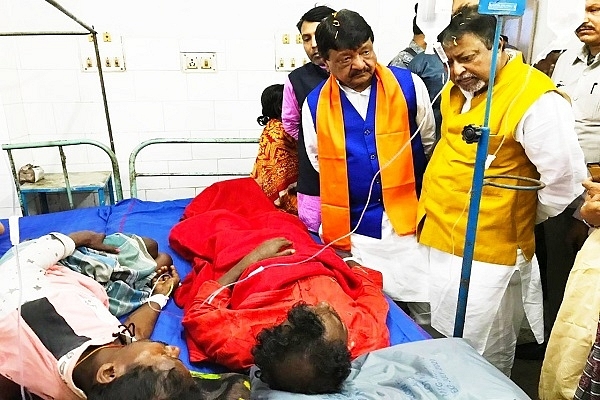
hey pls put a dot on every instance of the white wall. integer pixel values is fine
(44, 95)
(544, 42)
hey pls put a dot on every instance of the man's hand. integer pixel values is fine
(166, 280)
(93, 240)
(271, 248)
(590, 210)
(593, 188)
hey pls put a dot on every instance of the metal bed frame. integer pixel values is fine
(60, 144)
(133, 175)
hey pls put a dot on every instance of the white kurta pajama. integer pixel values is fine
(545, 131)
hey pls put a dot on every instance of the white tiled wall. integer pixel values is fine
(44, 95)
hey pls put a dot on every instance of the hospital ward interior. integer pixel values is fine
(296, 200)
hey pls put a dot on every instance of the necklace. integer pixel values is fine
(97, 349)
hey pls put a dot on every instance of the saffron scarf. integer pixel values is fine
(392, 130)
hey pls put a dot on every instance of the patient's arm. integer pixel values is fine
(270, 248)
(370, 310)
(144, 318)
(93, 240)
(43, 252)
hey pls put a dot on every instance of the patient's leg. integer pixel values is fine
(163, 260)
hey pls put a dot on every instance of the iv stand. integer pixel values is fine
(476, 191)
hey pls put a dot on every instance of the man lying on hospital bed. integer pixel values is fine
(262, 291)
(59, 340)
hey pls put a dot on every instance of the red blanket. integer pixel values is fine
(230, 219)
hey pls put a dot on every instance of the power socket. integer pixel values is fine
(198, 62)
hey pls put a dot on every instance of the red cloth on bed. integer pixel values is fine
(222, 225)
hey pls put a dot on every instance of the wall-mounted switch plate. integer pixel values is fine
(289, 51)
(112, 58)
(198, 62)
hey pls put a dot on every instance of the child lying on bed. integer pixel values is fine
(127, 276)
(58, 339)
(255, 297)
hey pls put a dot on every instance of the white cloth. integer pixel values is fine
(436, 369)
(498, 298)
(400, 259)
(582, 84)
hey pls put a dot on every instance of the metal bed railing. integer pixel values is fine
(133, 175)
(60, 144)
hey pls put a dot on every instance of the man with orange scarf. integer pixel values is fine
(360, 129)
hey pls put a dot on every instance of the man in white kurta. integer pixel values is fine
(532, 135)
(577, 73)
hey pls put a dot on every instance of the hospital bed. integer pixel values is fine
(411, 368)
(155, 219)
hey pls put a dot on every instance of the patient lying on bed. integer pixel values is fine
(58, 339)
(127, 276)
(261, 292)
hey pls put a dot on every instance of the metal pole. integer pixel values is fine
(47, 33)
(91, 31)
(98, 62)
(103, 89)
(17, 183)
(68, 14)
(134, 153)
(63, 161)
(476, 189)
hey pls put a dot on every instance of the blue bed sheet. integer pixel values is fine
(155, 219)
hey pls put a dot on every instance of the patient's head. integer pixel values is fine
(145, 382)
(307, 353)
(143, 370)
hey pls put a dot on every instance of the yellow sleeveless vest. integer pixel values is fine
(506, 217)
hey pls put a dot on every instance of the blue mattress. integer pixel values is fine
(155, 219)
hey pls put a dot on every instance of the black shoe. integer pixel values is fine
(530, 351)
